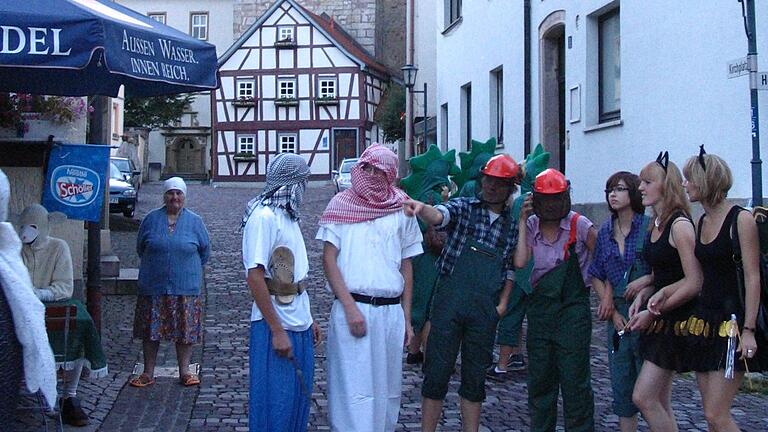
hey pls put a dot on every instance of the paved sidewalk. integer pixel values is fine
(220, 402)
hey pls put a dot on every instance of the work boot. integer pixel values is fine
(72, 413)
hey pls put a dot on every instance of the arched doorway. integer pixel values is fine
(552, 87)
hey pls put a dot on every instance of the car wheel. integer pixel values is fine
(129, 213)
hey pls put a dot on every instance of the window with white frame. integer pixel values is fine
(326, 87)
(246, 89)
(198, 25)
(287, 143)
(285, 34)
(157, 16)
(497, 105)
(246, 144)
(286, 88)
(609, 66)
(452, 11)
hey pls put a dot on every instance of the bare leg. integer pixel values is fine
(717, 395)
(431, 409)
(652, 394)
(425, 335)
(183, 355)
(470, 416)
(628, 424)
(150, 357)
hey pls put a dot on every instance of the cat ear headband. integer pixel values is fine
(663, 160)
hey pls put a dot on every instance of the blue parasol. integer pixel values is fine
(91, 47)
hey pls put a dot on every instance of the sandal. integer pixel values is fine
(142, 380)
(189, 380)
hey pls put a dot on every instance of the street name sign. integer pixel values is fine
(738, 67)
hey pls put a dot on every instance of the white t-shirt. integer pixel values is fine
(370, 252)
(265, 230)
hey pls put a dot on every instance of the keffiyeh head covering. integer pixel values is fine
(371, 196)
(287, 176)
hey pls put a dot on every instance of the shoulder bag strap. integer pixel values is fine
(571, 235)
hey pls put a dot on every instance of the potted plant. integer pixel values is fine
(18, 111)
(244, 156)
(287, 101)
(244, 101)
(326, 100)
(287, 42)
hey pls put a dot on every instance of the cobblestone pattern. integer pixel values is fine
(220, 404)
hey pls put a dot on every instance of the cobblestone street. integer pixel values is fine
(220, 403)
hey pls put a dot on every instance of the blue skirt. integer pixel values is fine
(280, 395)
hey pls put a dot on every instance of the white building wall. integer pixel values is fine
(425, 57)
(675, 93)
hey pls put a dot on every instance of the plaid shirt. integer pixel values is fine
(608, 263)
(459, 214)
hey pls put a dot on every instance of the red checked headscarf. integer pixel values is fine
(371, 196)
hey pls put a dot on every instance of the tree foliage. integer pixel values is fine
(157, 111)
(391, 116)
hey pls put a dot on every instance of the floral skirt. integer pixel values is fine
(172, 318)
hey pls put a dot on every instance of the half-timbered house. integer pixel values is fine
(294, 82)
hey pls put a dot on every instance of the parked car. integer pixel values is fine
(130, 173)
(342, 177)
(122, 195)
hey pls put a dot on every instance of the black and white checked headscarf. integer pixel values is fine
(287, 176)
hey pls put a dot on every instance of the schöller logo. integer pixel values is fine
(74, 185)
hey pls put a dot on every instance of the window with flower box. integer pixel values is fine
(286, 92)
(246, 146)
(245, 92)
(286, 37)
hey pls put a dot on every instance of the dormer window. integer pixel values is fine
(285, 34)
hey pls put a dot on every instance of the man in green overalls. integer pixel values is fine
(560, 242)
(476, 277)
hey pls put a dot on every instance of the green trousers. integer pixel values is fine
(559, 334)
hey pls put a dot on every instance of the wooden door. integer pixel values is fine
(344, 145)
(188, 157)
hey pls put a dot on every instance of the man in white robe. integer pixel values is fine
(369, 242)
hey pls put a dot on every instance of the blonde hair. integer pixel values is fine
(714, 182)
(673, 197)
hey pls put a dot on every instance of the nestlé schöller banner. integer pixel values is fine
(76, 180)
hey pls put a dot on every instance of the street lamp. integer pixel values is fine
(409, 75)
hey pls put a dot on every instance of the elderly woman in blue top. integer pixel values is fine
(173, 247)
(618, 273)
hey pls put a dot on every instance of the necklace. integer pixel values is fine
(622, 231)
(656, 222)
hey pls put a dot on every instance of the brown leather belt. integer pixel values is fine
(283, 289)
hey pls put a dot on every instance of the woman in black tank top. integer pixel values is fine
(708, 180)
(676, 283)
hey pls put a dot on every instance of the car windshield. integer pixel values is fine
(115, 173)
(122, 164)
(346, 166)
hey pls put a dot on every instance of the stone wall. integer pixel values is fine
(390, 34)
(377, 25)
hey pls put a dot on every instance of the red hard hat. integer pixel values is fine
(550, 181)
(502, 166)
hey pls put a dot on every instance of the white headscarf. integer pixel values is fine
(28, 312)
(175, 183)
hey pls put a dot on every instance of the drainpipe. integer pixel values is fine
(527, 77)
